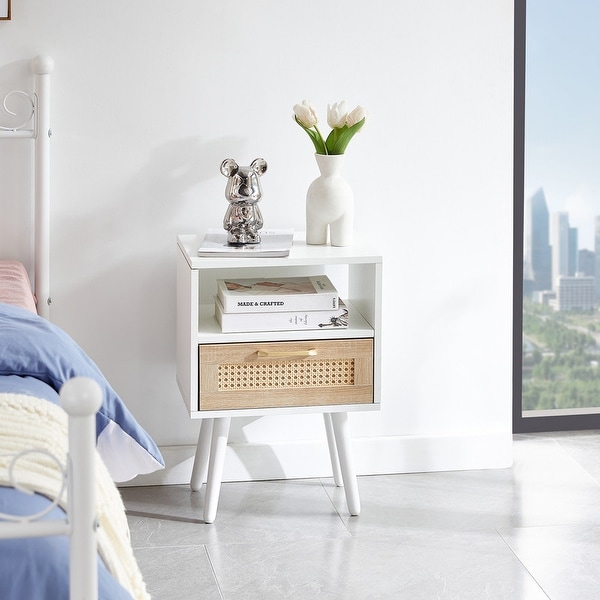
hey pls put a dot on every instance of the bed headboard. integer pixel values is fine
(37, 128)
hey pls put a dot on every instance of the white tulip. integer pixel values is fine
(306, 114)
(336, 114)
(357, 115)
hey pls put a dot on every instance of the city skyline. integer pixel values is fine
(588, 224)
(555, 270)
(562, 127)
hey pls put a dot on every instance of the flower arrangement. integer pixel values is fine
(343, 125)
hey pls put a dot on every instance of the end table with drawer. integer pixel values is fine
(227, 375)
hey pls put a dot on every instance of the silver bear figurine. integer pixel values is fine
(243, 218)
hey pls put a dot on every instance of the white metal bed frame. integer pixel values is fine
(80, 397)
(37, 127)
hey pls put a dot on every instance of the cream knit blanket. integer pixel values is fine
(27, 422)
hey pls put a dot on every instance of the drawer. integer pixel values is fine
(278, 374)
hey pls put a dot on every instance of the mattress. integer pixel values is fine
(15, 288)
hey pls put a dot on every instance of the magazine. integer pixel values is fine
(277, 294)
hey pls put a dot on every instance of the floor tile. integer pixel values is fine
(178, 573)
(414, 566)
(584, 448)
(545, 486)
(269, 511)
(564, 560)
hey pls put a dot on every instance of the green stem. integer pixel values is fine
(322, 139)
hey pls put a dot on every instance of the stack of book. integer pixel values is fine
(279, 304)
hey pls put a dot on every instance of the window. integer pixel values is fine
(557, 215)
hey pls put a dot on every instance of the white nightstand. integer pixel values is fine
(203, 350)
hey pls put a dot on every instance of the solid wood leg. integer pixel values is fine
(333, 453)
(342, 438)
(200, 468)
(216, 461)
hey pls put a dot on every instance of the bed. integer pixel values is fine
(66, 436)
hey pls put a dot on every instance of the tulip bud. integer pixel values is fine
(336, 114)
(357, 115)
(306, 114)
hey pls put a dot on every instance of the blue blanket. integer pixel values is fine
(30, 386)
(38, 568)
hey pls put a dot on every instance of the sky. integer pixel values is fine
(562, 109)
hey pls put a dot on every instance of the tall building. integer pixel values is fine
(561, 243)
(573, 251)
(597, 249)
(537, 258)
(586, 262)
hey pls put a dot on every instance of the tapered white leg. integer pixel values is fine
(218, 447)
(342, 438)
(333, 453)
(200, 468)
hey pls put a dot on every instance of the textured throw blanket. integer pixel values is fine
(27, 422)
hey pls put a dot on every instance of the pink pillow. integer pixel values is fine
(15, 288)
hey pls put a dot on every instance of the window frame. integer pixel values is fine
(531, 424)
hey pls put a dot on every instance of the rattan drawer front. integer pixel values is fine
(265, 375)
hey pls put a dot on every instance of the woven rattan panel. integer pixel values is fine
(286, 374)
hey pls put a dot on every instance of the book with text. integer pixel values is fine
(281, 321)
(277, 294)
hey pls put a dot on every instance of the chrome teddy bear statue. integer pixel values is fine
(243, 218)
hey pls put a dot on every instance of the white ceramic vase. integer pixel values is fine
(330, 204)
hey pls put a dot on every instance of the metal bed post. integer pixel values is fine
(42, 66)
(81, 398)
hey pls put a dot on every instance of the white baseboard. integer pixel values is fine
(372, 456)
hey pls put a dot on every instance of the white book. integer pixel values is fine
(277, 294)
(281, 321)
(274, 243)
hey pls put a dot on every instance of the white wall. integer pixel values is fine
(149, 97)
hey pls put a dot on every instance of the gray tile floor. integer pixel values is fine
(529, 532)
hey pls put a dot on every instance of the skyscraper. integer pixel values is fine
(561, 237)
(586, 262)
(537, 257)
(573, 251)
(597, 249)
